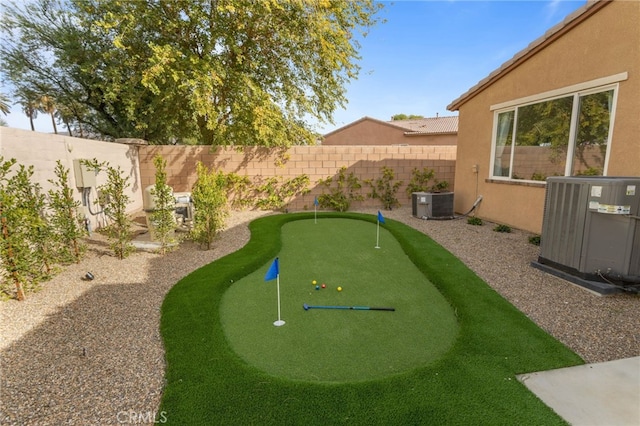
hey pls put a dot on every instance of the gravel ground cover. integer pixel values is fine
(90, 352)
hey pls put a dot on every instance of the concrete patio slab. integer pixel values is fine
(606, 393)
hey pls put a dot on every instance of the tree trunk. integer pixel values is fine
(12, 263)
(53, 121)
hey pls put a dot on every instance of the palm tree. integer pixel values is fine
(4, 104)
(30, 108)
(47, 105)
(29, 102)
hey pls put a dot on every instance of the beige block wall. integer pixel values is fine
(317, 162)
(601, 46)
(42, 150)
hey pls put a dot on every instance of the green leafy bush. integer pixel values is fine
(384, 189)
(502, 228)
(535, 240)
(163, 216)
(425, 181)
(474, 221)
(343, 190)
(210, 203)
(274, 193)
(67, 226)
(115, 201)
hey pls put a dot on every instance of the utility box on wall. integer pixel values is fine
(591, 227)
(431, 205)
(85, 176)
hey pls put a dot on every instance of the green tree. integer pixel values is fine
(384, 188)
(48, 106)
(66, 226)
(115, 201)
(27, 99)
(4, 104)
(25, 243)
(210, 203)
(163, 216)
(406, 117)
(240, 72)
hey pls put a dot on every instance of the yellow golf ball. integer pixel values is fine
(339, 288)
(313, 282)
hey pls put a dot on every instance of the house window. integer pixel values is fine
(563, 136)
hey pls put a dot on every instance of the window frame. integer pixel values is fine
(576, 91)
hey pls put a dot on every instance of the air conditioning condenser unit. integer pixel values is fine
(432, 205)
(591, 230)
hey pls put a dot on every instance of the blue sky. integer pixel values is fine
(426, 54)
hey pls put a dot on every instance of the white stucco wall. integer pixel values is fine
(42, 150)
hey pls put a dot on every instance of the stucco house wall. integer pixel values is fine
(597, 42)
(369, 131)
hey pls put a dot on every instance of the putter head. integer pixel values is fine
(306, 307)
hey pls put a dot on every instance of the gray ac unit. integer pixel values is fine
(432, 205)
(591, 227)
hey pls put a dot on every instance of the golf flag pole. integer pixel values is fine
(315, 210)
(274, 273)
(380, 220)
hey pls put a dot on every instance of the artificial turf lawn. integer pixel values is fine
(338, 345)
(473, 383)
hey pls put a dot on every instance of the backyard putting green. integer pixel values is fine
(211, 379)
(338, 345)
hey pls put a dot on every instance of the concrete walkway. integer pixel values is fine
(606, 393)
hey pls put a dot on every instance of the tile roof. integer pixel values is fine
(429, 125)
(573, 19)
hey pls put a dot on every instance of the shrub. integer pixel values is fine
(66, 226)
(115, 202)
(210, 203)
(343, 189)
(384, 190)
(275, 193)
(474, 221)
(535, 240)
(502, 228)
(421, 181)
(163, 217)
(238, 190)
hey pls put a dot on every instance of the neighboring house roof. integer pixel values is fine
(430, 125)
(421, 126)
(573, 19)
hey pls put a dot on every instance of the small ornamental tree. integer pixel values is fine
(12, 246)
(115, 201)
(67, 229)
(25, 242)
(384, 189)
(34, 225)
(163, 216)
(274, 193)
(210, 203)
(343, 189)
(425, 181)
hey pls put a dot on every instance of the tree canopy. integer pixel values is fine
(219, 72)
(401, 116)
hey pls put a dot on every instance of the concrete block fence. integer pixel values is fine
(317, 162)
(135, 158)
(43, 150)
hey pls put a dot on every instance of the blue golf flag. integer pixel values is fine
(273, 271)
(315, 201)
(380, 217)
